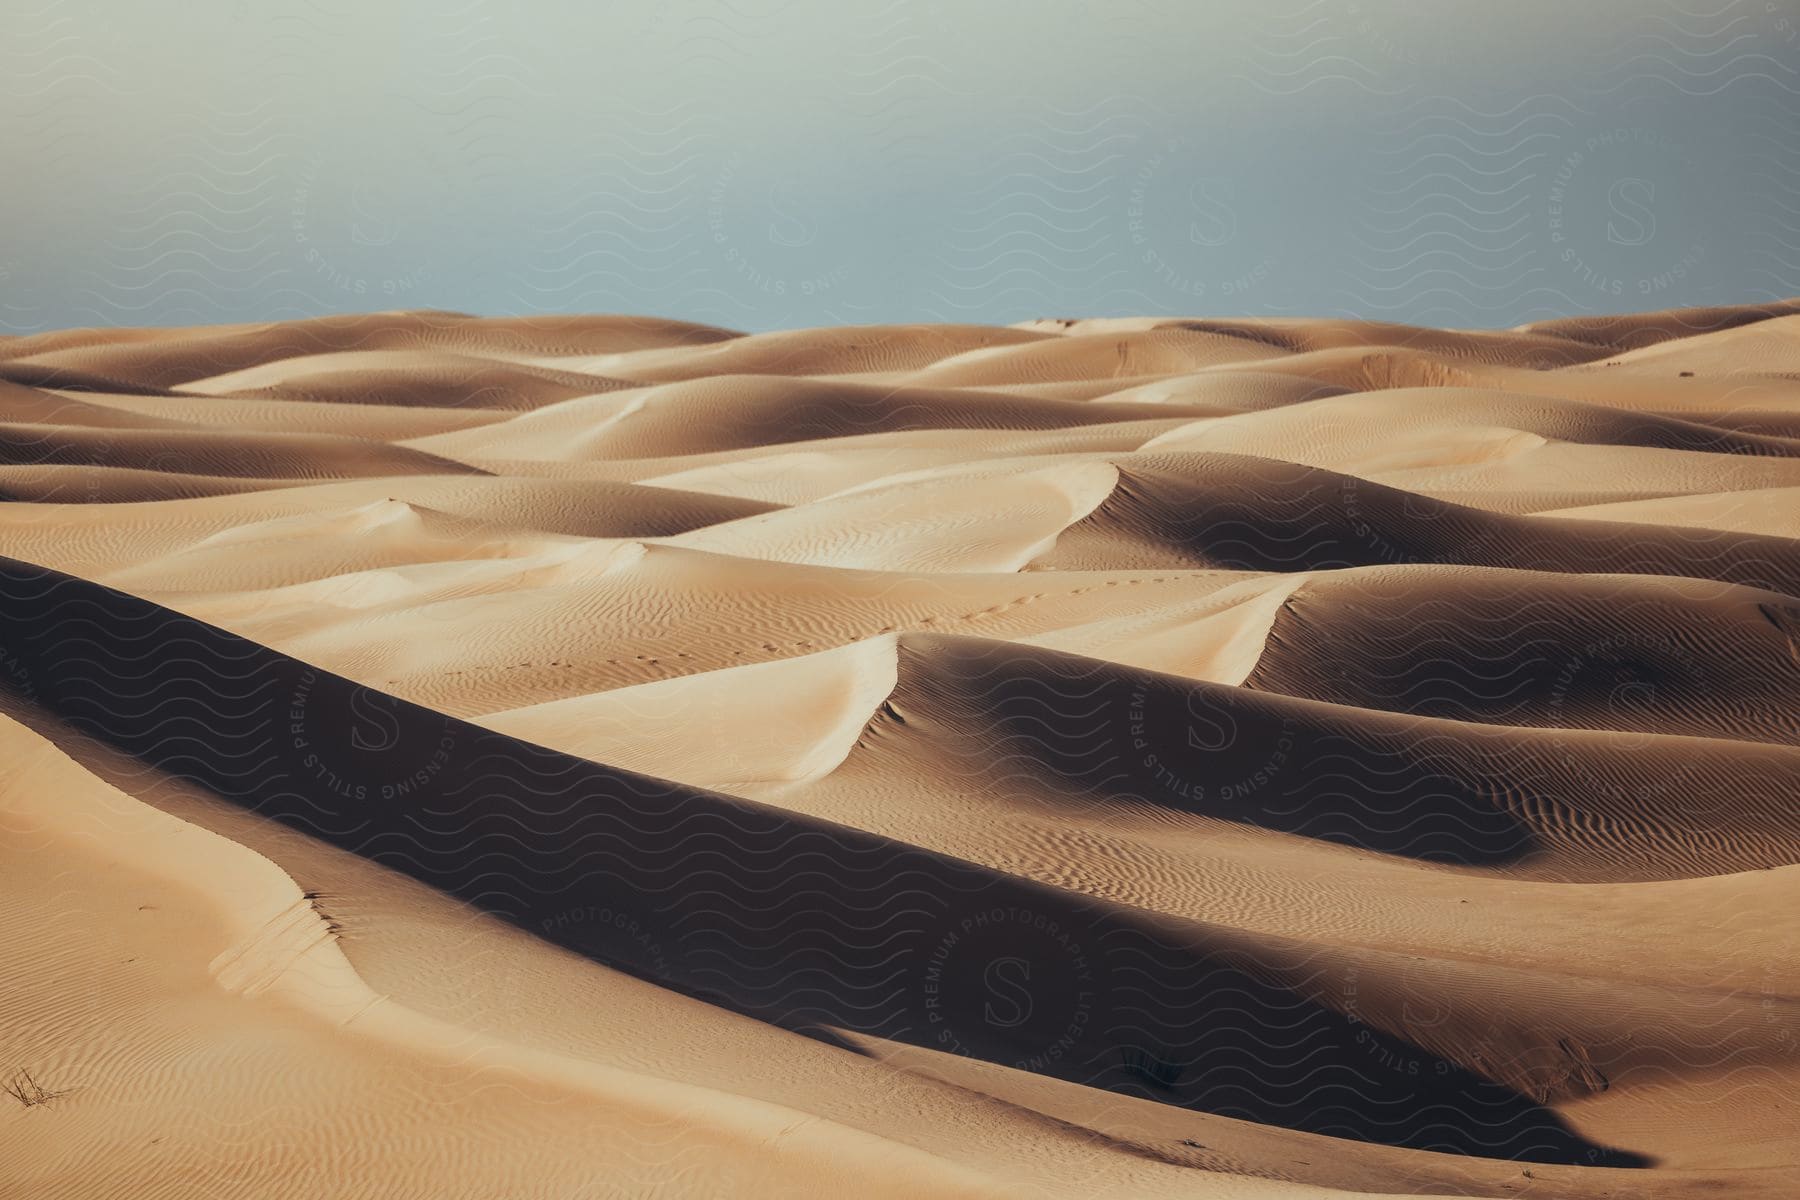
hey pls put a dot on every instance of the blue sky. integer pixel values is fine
(778, 163)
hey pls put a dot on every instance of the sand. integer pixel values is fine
(610, 756)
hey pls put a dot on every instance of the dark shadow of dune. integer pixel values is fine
(790, 919)
(71, 379)
(206, 452)
(1040, 729)
(1234, 511)
(1529, 649)
(1003, 716)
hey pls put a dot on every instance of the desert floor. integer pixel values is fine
(600, 756)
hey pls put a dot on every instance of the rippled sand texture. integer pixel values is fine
(602, 757)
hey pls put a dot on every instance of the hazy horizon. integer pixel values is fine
(802, 163)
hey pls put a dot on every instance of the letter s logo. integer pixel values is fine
(1213, 223)
(1631, 200)
(787, 229)
(368, 227)
(1007, 981)
(1209, 730)
(377, 726)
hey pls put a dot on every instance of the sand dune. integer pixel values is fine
(560, 636)
(1107, 757)
(92, 538)
(739, 412)
(404, 379)
(152, 360)
(1500, 449)
(1770, 510)
(37, 406)
(215, 452)
(1515, 648)
(356, 417)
